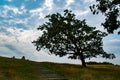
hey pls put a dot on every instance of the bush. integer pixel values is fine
(23, 58)
(93, 62)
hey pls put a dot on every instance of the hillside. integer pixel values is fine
(15, 69)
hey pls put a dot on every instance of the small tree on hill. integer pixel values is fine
(65, 35)
(23, 58)
(13, 57)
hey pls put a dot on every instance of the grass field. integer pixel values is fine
(14, 69)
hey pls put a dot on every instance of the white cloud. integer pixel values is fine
(15, 10)
(101, 28)
(15, 21)
(44, 10)
(24, 36)
(11, 11)
(48, 4)
(23, 9)
(68, 3)
(21, 40)
(86, 1)
(81, 13)
(28, 35)
(6, 39)
(37, 12)
(9, 0)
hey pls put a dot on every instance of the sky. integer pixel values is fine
(19, 20)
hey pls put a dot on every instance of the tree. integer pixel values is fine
(111, 10)
(23, 58)
(65, 35)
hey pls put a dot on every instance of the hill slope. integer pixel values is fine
(14, 69)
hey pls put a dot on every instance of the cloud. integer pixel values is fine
(5, 51)
(69, 2)
(37, 12)
(43, 10)
(9, 0)
(48, 4)
(81, 13)
(24, 36)
(13, 48)
(15, 21)
(18, 42)
(11, 11)
(88, 1)
(11, 8)
(112, 43)
(18, 35)
(13, 16)
(6, 38)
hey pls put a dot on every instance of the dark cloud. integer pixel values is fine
(14, 49)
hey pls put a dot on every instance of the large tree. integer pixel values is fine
(65, 35)
(111, 10)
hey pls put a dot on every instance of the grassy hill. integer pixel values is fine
(14, 69)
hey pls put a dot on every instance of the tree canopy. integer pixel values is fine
(111, 10)
(64, 35)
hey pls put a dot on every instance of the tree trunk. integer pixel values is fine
(83, 60)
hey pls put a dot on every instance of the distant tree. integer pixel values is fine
(23, 58)
(13, 57)
(94, 62)
(111, 10)
(65, 35)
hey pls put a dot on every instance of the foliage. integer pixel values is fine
(111, 10)
(66, 35)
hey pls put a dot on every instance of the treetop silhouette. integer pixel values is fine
(111, 10)
(64, 35)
